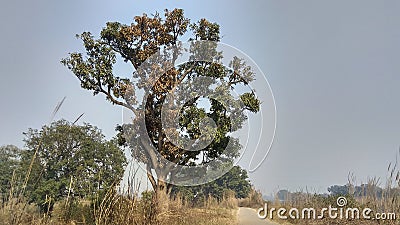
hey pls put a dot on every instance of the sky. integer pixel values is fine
(332, 65)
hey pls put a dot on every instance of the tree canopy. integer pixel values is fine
(235, 180)
(9, 161)
(70, 160)
(152, 46)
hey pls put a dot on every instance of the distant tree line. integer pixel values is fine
(357, 191)
(362, 190)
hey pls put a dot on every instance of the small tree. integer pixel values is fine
(9, 161)
(70, 161)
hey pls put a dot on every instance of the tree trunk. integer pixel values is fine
(160, 202)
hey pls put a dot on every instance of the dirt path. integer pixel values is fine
(248, 216)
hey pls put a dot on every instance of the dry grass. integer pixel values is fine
(385, 201)
(200, 216)
(118, 207)
(254, 200)
(123, 210)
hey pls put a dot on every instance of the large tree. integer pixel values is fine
(148, 44)
(70, 160)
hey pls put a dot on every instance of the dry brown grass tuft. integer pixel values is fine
(254, 200)
(123, 210)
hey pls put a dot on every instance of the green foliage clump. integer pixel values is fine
(235, 180)
(9, 161)
(69, 161)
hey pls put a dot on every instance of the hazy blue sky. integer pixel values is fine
(333, 66)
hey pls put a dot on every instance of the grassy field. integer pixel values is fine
(121, 210)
